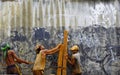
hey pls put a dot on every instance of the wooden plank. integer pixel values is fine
(64, 72)
(60, 60)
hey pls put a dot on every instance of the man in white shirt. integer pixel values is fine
(75, 60)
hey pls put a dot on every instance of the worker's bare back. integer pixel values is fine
(10, 59)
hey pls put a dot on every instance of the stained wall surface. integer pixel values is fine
(92, 24)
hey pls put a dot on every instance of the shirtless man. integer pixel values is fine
(11, 58)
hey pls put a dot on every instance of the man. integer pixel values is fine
(75, 60)
(38, 68)
(11, 58)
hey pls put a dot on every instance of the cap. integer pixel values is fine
(5, 47)
(75, 47)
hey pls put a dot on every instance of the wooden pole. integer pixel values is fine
(62, 62)
(64, 72)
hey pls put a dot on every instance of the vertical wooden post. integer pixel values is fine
(64, 72)
(62, 62)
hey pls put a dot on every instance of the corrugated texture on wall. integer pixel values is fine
(93, 25)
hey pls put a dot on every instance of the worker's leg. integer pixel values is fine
(12, 70)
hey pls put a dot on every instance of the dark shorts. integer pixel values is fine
(12, 70)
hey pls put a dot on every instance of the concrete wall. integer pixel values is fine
(93, 25)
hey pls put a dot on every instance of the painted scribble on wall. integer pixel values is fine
(99, 49)
(92, 24)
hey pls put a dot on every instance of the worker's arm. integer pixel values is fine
(71, 60)
(3, 64)
(53, 50)
(18, 59)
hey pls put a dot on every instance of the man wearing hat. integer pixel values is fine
(75, 60)
(11, 58)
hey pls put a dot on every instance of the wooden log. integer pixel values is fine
(64, 72)
(60, 59)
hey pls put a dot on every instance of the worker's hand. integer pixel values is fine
(3, 64)
(66, 56)
(59, 45)
(30, 63)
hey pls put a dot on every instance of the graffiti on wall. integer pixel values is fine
(99, 47)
